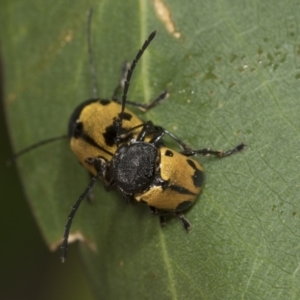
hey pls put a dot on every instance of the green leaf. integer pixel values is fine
(232, 70)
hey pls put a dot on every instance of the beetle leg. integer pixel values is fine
(148, 128)
(186, 224)
(187, 151)
(127, 198)
(143, 107)
(219, 153)
(99, 164)
(163, 214)
(156, 132)
(90, 194)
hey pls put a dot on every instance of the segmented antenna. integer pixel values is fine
(90, 54)
(129, 74)
(41, 143)
(64, 246)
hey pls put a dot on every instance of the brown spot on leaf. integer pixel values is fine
(73, 237)
(164, 15)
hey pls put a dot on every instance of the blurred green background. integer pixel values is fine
(27, 268)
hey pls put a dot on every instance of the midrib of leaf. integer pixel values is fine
(144, 63)
(169, 269)
(146, 90)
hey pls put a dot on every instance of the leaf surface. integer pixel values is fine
(232, 71)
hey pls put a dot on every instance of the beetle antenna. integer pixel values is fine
(90, 53)
(129, 74)
(37, 145)
(64, 245)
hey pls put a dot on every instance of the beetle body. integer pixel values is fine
(129, 155)
(156, 175)
(183, 178)
(146, 171)
(92, 131)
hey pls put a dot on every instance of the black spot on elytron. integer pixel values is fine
(76, 114)
(184, 205)
(125, 116)
(191, 163)
(77, 130)
(110, 135)
(180, 190)
(169, 153)
(198, 176)
(104, 102)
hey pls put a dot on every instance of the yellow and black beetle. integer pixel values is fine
(129, 155)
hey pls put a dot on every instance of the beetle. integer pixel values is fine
(134, 159)
(129, 155)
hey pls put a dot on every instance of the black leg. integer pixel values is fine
(128, 198)
(90, 194)
(186, 224)
(163, 214)
(141, 106)
(145, 107)
(220, 153)
(148, 129)
(206, 151)
(155, 132)
(99, 164)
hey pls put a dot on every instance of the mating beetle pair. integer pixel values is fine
(129, 155)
